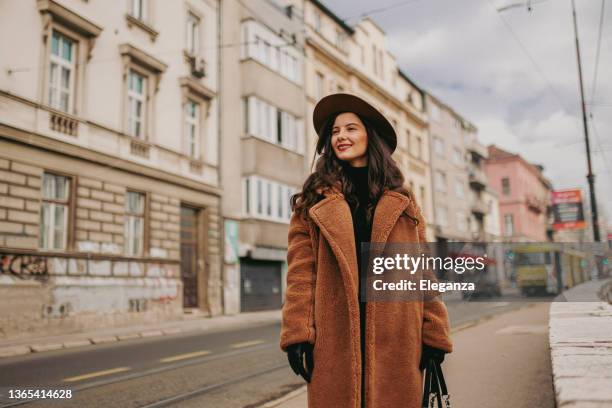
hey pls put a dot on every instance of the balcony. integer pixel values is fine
(535, 204)
(479, 207)
(63, 123)
(478, 180)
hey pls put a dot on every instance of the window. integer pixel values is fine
(440, 181)
(439, 146)
(265, 46)
(319, 86)
(276, 126)
(423, 206)
(134, 223)
(192, 119)
(54, 212)
(317, 22)
(142, 78)
(193, 34)
(508, 225)
(435, 112)
(419, 147)
(259, 197)
(405, 142)
(272, 199)
(461, 221)
(269, 201)
(339, 38)
(457, 156)
(138, 9)
(247, 195)
(459, 191)
(505, 186)
(61, 72)
(375, 59)
(279, 202)
(136, 104)
(442, 216)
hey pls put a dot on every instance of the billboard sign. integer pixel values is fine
(567, 210)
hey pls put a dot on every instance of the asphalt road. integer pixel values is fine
(242, 367)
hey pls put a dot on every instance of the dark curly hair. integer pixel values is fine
(329, 171)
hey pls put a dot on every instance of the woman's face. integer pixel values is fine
(350, 140)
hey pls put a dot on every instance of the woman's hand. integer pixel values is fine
(430, 353)
(296, 353)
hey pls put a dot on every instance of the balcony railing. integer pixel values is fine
(63, 123)
(478, 179)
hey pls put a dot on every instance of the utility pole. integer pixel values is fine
(590, 175)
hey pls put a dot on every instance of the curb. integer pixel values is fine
(290, 395)
(41, 346)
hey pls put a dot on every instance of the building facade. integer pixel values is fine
(524, 196)
(109, 156)
(263, 161)
(450, 166)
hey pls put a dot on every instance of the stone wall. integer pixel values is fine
(19, 204)
(92, 283)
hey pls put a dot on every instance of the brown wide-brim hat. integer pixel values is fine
(343, 102)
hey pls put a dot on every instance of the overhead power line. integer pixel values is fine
(601, 18)
(380, 9)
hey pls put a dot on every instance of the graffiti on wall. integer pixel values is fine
(24, 266)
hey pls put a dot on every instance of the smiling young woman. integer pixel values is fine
(366, 354)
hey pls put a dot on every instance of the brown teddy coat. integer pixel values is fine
(321, 307)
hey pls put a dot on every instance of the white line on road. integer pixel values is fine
(96, 374)
(185, 356)
(246, 343)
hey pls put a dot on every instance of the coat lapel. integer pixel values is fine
(333, 217)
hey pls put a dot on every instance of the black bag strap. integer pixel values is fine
(443, 397)
(435, 386)
(431, 387)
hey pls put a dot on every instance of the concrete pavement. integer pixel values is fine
(503, 361)
(581, 348)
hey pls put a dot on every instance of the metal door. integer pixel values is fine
(260, 285)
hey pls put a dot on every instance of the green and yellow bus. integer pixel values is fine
(539, 267)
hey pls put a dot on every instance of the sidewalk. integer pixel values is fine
(510, 369)
(9, 348)
(581, 347)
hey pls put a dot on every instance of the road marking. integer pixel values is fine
(246, 343)
(185, 356)
(96, 374)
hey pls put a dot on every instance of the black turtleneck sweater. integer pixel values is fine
(363, 231)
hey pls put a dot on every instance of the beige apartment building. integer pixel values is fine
(355, 59)
(480, 201)
(109, 163)
(262, 158)
(449, 170)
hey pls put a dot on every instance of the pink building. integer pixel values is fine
(524, 196)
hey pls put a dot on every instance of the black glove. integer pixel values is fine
(430, 353)
(296, 353)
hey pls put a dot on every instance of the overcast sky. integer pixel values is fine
(512, 73)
